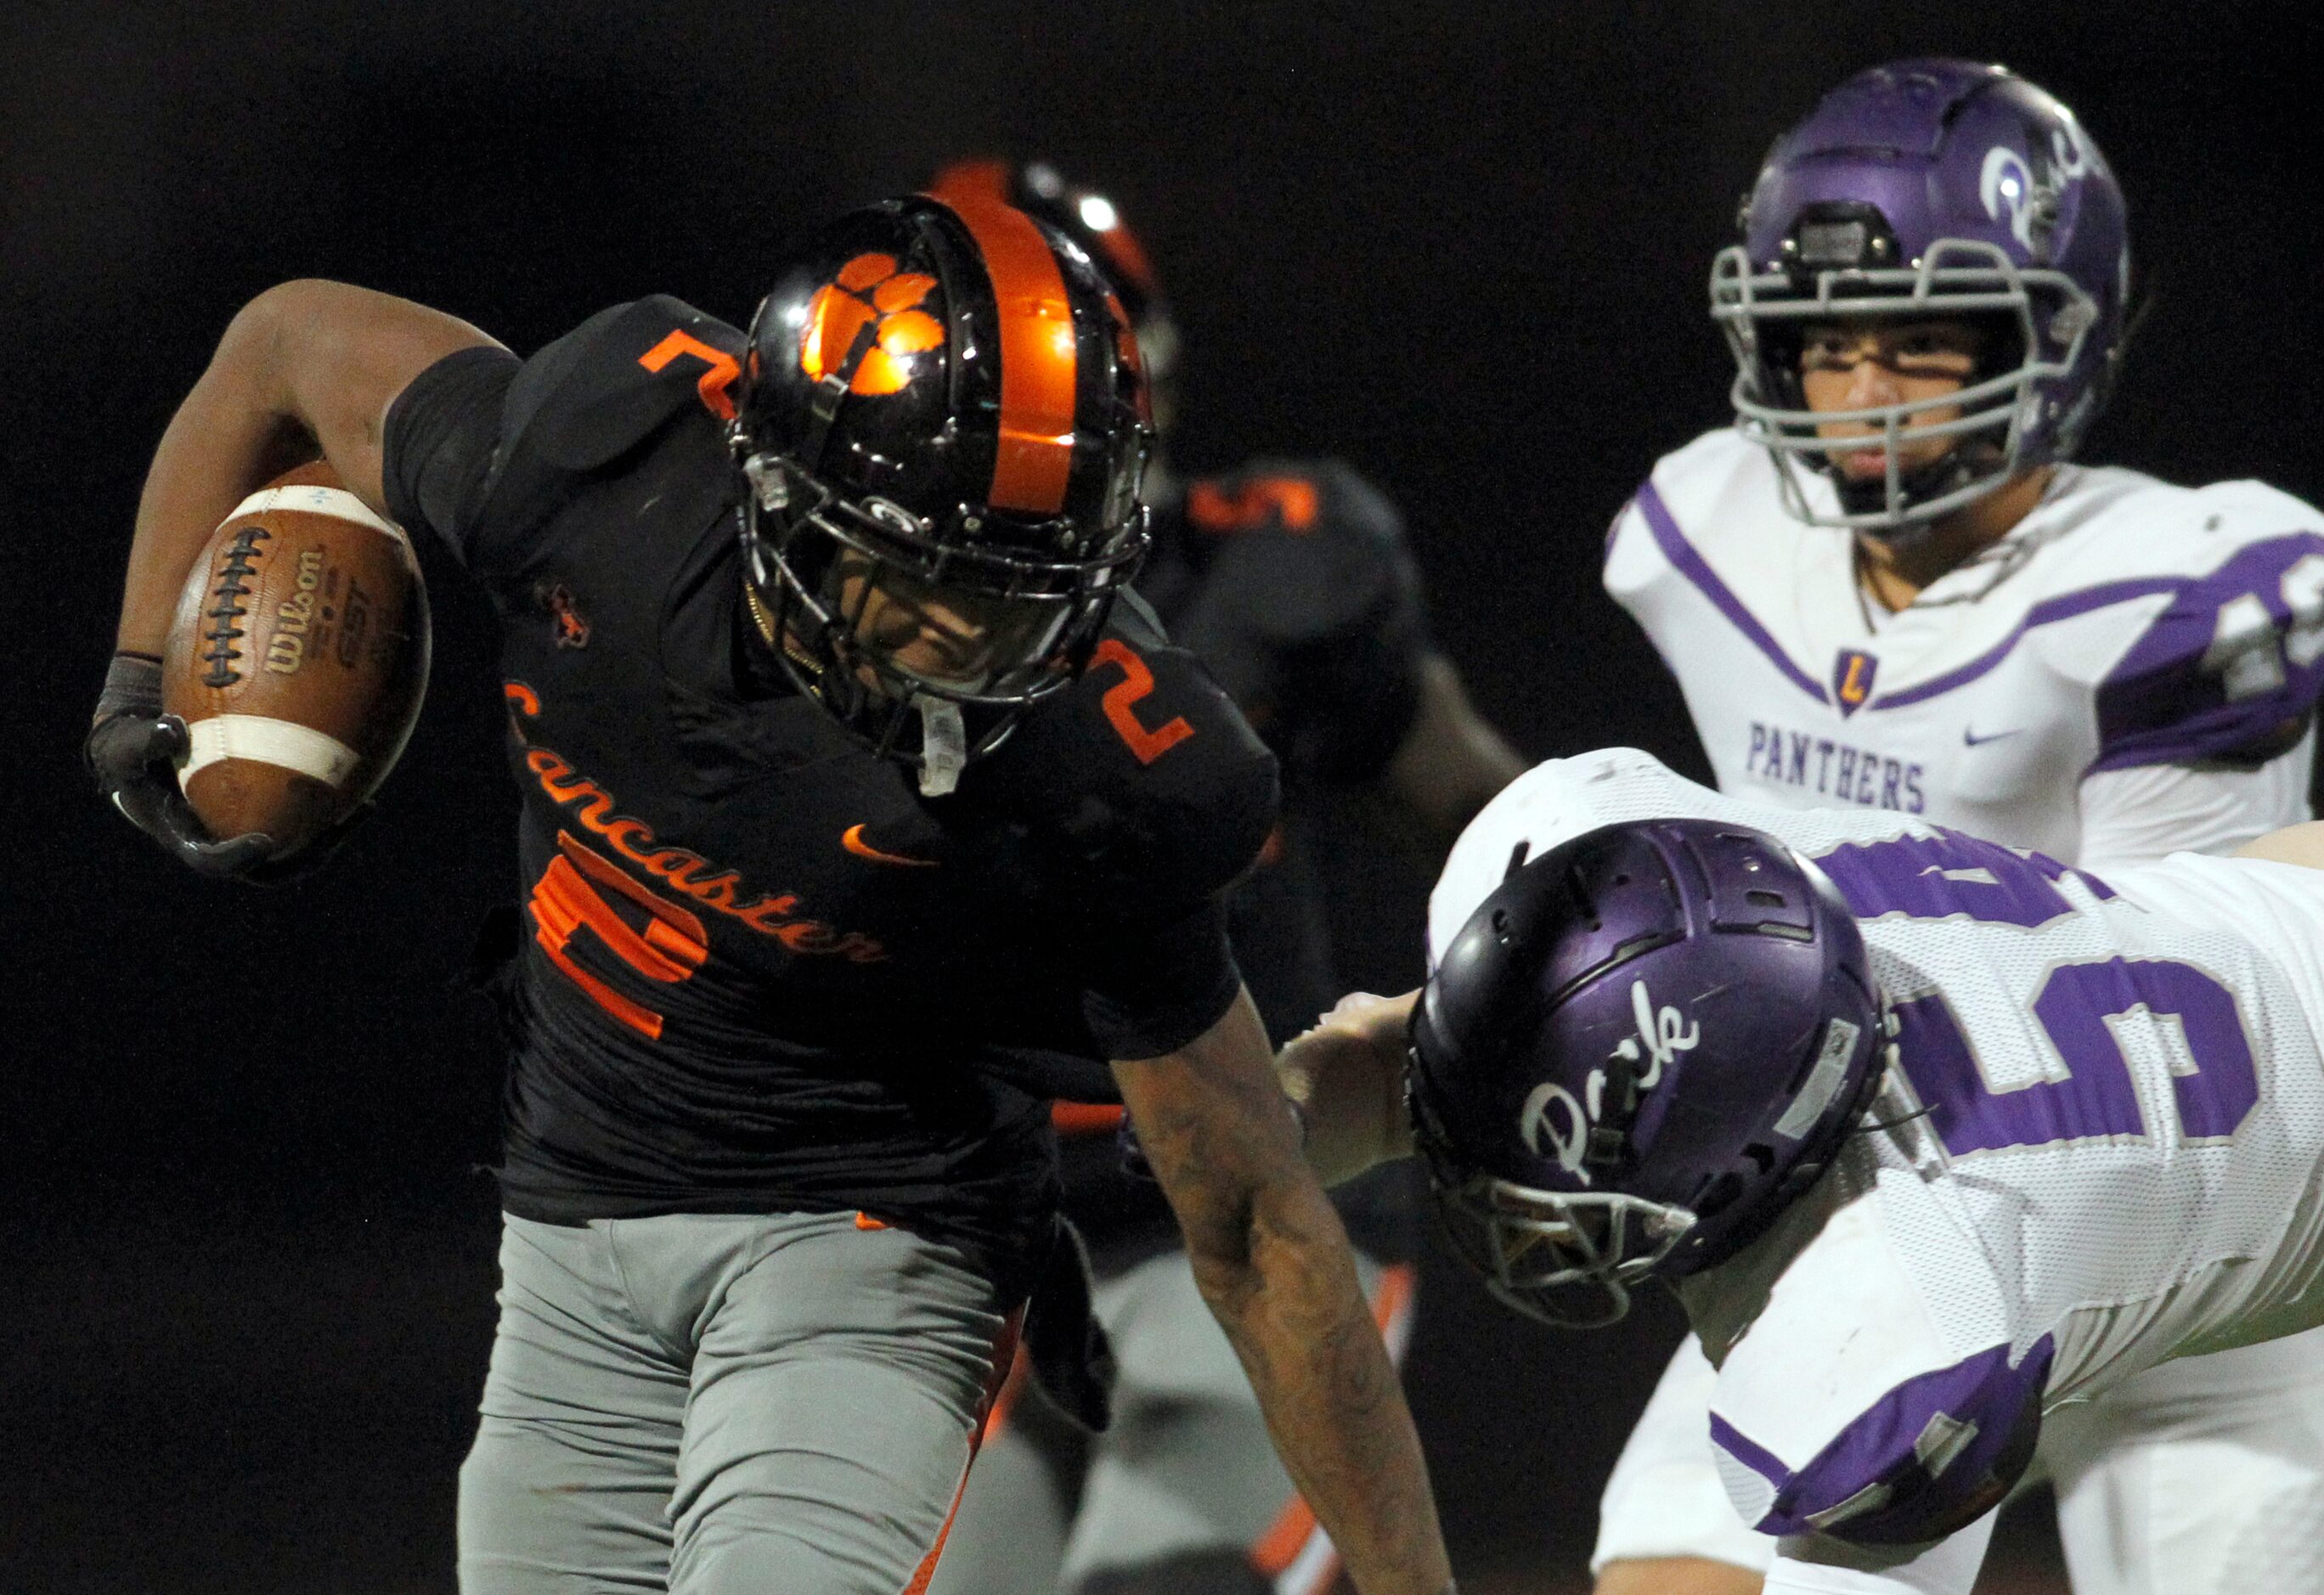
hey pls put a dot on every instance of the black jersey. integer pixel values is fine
(1292, 583)
(763, 973)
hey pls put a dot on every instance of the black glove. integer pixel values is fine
(133, 751)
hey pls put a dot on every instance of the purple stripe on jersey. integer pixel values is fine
(1920, 1461)
(2065, 606)
(1765, 1463)
(1682, 554)
(2232, 670)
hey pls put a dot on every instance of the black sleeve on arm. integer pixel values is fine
(442, 433)
(1150, 989)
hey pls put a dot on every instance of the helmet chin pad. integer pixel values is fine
(1867, 501)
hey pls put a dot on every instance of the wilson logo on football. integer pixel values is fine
(869, 293)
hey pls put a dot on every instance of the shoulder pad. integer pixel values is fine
(1141, 779)
(1928, 1457)
(1297, 553)
(1718, 492)
(2230, 670)
(1693, 480)
(613, 381)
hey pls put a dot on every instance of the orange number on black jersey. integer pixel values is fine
(1136, 683)
(717, 384)
(1290, 500)
(668, 949)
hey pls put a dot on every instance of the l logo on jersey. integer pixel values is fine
(1851, 679)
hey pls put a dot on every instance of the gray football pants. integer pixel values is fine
(710, 1405)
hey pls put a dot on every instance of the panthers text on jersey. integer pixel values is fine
(2122, 1158)
(2123, 623)
(765, 973)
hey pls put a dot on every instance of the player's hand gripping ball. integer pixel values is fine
(296, 664)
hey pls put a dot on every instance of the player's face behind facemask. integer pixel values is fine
(904, 630)
(942, 436)
(1887, 396)
(1920, 189)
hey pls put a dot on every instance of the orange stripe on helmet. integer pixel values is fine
(970, 179)
(1038, 363)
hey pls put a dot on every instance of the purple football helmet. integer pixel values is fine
(1919, 189)
(1639, 1049)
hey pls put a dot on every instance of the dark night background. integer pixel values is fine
(247, 1254)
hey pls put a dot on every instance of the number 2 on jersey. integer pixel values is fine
(1119, 703)
(2087, 1010)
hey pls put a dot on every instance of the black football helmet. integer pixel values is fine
(943, 422)
(1095, 224)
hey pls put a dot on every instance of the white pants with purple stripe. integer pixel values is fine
(709, 1404)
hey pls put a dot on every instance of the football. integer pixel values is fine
(296, 658)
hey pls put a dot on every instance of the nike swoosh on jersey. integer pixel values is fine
(852, 841)
(1970, 738)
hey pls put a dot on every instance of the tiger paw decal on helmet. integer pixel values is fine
(870, 292)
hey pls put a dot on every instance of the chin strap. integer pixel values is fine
(944, 745)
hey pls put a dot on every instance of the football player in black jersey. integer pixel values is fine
(1291, 582)
(863, 812)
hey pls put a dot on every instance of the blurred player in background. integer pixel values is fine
(1886, 585)
(1936, 1140)
(1291, 581)
(863, 813)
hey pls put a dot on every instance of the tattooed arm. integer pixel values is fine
(1272, 1261)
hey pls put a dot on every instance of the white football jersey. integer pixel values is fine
(2124, 624)
(2122, 1159)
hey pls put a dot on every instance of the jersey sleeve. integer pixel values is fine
(1651, 565)
(2136, 815)
(442, 433)
(1314, 616)
(2229, 672)
(485, 452)
(1149, 796)
(1844, 1410)
(1822, 1567)
(1633, 564)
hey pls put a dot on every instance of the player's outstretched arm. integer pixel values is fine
(306, 367)
(1273, 1262)
(1452, 761)
(1347, 1075)
(2293, 844)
